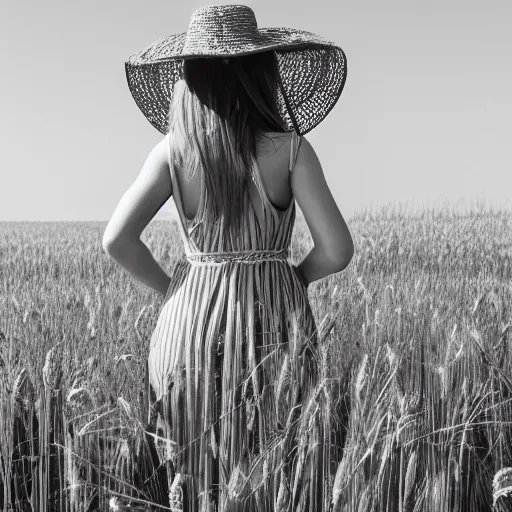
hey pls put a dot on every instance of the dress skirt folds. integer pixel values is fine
(233, 372)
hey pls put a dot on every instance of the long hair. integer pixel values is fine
(217, 112)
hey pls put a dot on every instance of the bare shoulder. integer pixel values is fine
(307, 162)
(305, 147)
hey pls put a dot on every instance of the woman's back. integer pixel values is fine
(273, 154)
(268, 213)
(276, 159)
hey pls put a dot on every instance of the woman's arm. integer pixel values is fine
(333, 245)
(135, 257)
(138, 205)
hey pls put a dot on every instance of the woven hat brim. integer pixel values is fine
(312, 70)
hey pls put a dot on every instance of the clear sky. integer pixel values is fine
(425, 114)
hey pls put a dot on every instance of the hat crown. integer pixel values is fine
(216, 26)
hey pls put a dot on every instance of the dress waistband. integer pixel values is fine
(247, 257)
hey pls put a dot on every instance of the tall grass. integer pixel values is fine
(416, 365)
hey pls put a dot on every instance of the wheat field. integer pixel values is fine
(416, 364)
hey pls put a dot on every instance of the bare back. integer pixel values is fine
(306, 185)
(273, 154)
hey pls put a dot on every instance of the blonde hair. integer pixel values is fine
(217, 112)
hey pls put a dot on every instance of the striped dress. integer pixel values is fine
(232, 370)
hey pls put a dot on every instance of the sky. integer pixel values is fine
(424, 116)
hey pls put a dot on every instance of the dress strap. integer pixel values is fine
(294, 149)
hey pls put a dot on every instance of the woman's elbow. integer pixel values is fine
(108, 245)
(345, 261)
(112, 245)
(342, 258)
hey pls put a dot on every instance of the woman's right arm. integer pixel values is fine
(333, 245)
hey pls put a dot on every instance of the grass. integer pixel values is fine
(416, 367)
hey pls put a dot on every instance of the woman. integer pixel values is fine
(232, 363)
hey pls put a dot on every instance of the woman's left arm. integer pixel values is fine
(138, 205)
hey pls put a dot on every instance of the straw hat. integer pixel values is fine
(312, 70)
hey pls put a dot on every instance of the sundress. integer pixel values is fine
(233, 368)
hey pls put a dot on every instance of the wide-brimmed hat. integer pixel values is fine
(312, 70)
